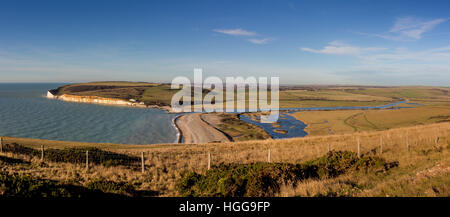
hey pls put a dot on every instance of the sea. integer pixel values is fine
(26, 112)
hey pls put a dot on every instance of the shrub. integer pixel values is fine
(265, 179)
(76, 155)
(10, 161)
(110, 186)
(26, 186)
(96, 156)
(20, 149)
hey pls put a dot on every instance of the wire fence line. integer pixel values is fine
(202, 157)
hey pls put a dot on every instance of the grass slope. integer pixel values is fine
(424, 170)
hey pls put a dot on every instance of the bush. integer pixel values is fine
(233, 180)
(110, 186)
(265, 179)
(11, 161)
(76, 155)
(26, 186)
(20, 149)
(96, 156)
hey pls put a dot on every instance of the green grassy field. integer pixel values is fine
(328, 98)
(149, 93)
(421, 94)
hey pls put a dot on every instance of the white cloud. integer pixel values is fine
(399, 74)
(403, 54)
(235, 32)
(408, 29)
(242, 32)
(339, 48)
(414, 28)
(383, 55)
(259, 41)
(391, 66)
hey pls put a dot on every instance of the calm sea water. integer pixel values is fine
(25, 112)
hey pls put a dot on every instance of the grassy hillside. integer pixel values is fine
(149, 93)
(329, 97)
(420, 170)
(421, 94)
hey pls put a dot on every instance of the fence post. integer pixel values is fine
(42, 153)
(87, 160)
(142, 162)
(1, 144)
(329, 148)
(407, 141)
(381, 144)
(268, 156)
(209, 160)
(359, 149)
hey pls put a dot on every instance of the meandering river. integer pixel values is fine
(289, 127)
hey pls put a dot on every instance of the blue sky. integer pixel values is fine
(302, 42)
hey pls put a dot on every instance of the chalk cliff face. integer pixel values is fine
(93, 99)
(50, 95)
(102, 100)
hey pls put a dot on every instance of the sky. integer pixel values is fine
(302, 42)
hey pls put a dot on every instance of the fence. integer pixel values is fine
(204, 157)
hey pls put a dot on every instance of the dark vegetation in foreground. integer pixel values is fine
(14, 185)
(27, 186)
(225, 180)
(76, 155)
(265, 179)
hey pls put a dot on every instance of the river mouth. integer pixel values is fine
(286, 127)
(290, 127)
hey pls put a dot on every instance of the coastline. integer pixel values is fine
(117, 102)
(203, 133)
(193, 130)
(186, 123)
(103, 101)
(179, 132)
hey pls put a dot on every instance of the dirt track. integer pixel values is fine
(195, 130)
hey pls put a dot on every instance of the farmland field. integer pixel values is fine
(348, 121)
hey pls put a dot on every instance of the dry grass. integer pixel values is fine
(321, 122)
(165, 163)
(417, 176)
(348, 121)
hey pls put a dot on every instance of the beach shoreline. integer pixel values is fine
(193, 130)
(177, 128)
